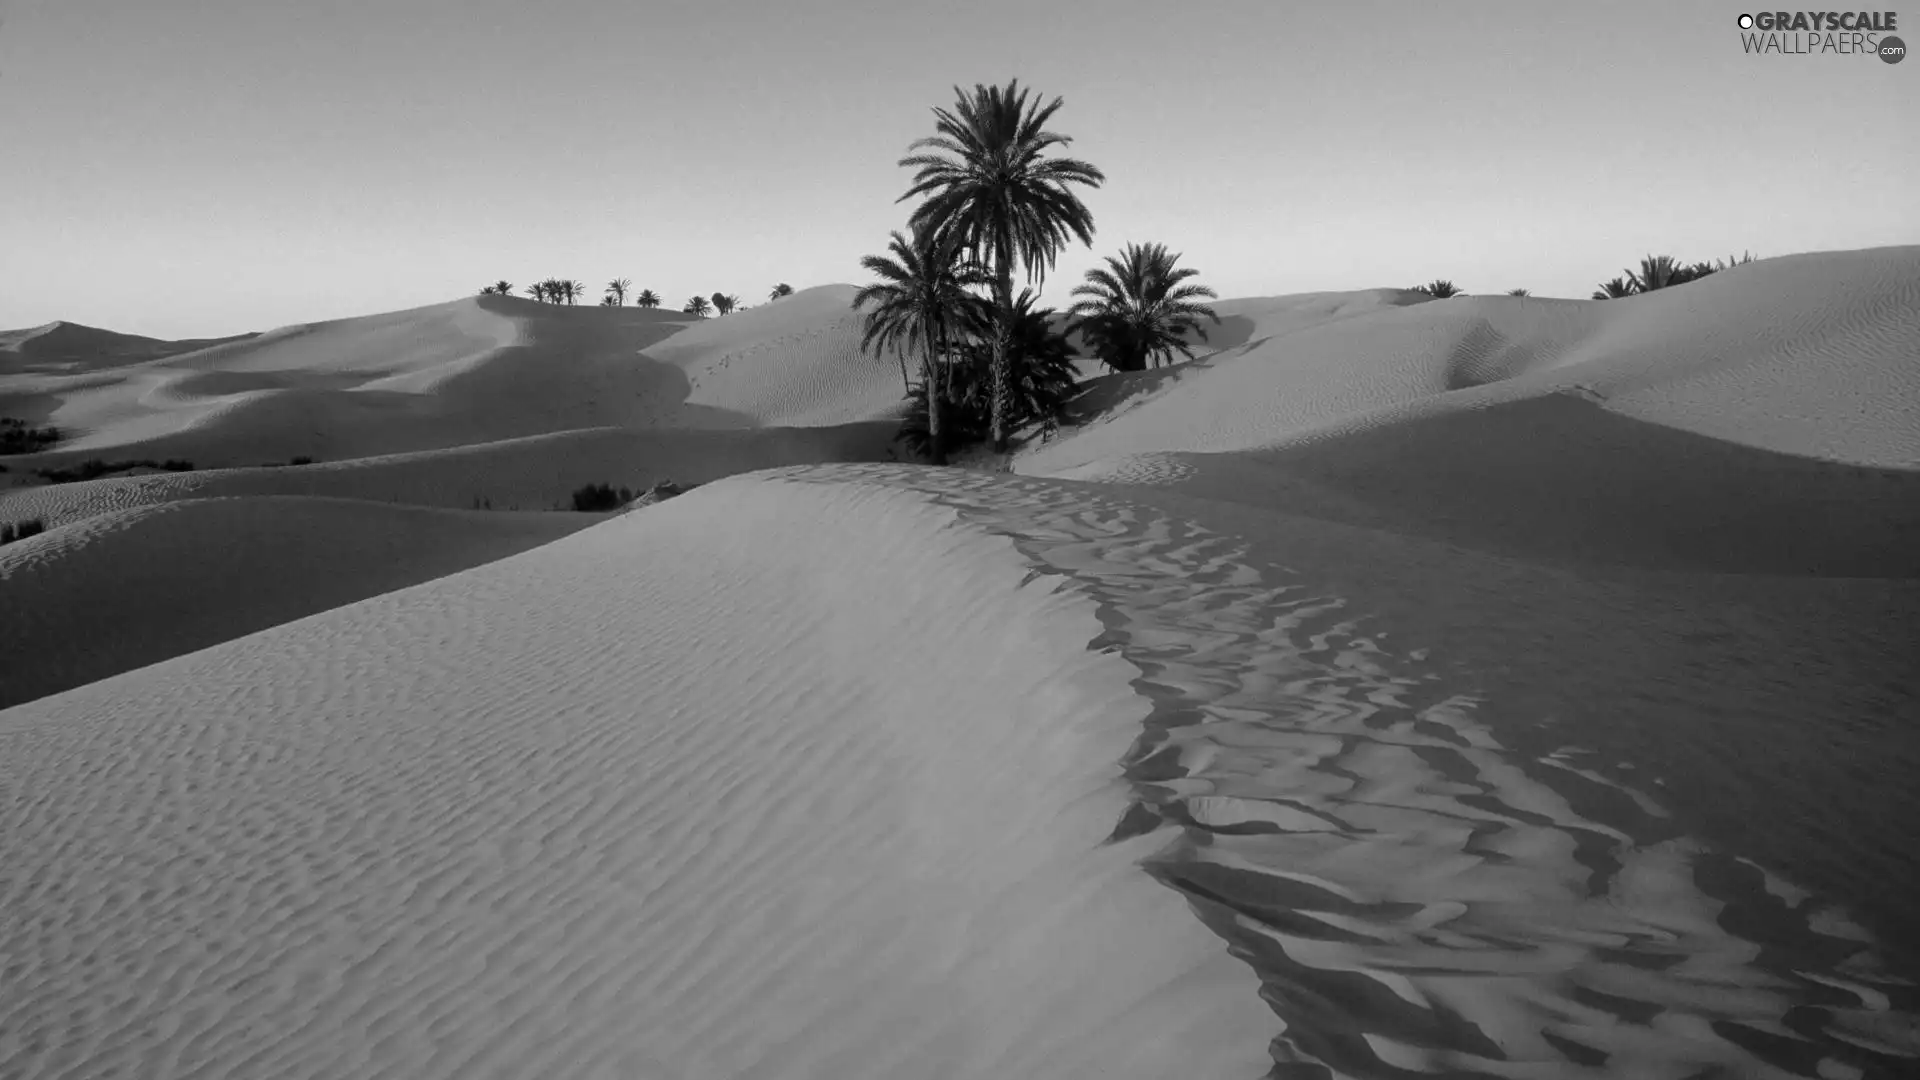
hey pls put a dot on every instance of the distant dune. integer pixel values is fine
(1487, 686)
(63, 347)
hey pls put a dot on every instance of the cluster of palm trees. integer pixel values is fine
(1655, 272)
(1663, 272)
(569, 291)
(994, 202)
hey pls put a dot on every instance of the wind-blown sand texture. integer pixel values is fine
(1486, 686)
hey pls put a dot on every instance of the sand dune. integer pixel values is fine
(647, 801)
(479, 369)
(539, 472)
(64, 347)
(1487, 686)
(128, 588)
(1759, 421)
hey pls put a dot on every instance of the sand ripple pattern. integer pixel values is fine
(1415, 900)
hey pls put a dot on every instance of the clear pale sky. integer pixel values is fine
(191, 168)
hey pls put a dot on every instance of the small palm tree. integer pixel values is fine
(780, 290)
(486, 290)
(1140, 308)
(503, 287)
(1518, 292)
(1439, 288)
(699, 305)
(922, 300)
(647, 298)
(1613, 290)
(986, 175)
(1657, 272)
(617, 288)
(724, 304)
(609, 301)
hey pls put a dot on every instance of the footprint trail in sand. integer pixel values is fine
(1415, 898)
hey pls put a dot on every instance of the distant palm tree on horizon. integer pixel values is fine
(780, 290)
(984, 175)
(647, 298)
(724, 303)
(1139, 309)
(1519, 292)
(1613, 290)
(922, 300)
(617, 288)
(1438, 288)
(697, 306)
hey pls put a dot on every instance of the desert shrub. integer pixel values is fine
(301, 460)
(595, 498)
(17, 438)
(20, 530)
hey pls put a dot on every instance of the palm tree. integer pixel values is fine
(572, 290)
(609, 301)
(503, 287)
(1439, 288)
(486, 290)
(724, 304)
(985, 175)
(780, 290)
(922, 299)
(1139, 308)
(1518, 292)
(697, 306)
(647, 298)
(1658, 272)
(1613, 290)
(617, 288)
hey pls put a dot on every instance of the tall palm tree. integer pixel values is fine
(647, 298)
(697, 306)
(1140, 308)
(985, 175)
(572, 290)
(780, 290)
(1613, 290)
(922, 299)
(617, 288)
(724, 304)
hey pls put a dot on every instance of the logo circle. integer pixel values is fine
(1746, 22)
(1892, 50)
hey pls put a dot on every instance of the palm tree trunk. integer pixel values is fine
(901, 355)
(1002, 345)
(936, 443)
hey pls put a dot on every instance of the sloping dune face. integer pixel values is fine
(64, 347)
(796, 360)
(1805, 354)
(128, 588)
(1758, 421)
(653, 800)
(479, 369)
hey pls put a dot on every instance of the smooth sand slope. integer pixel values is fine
(127, 588)
(689, 794)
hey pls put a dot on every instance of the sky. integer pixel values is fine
(198, 168)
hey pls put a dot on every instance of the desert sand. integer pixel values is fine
(1485, 686)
